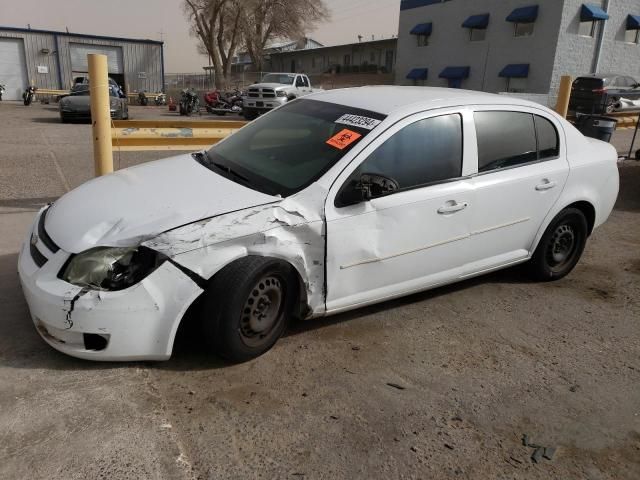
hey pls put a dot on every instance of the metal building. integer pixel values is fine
(49, 59)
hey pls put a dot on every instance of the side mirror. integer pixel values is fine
(367, 187)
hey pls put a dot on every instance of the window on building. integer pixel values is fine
(426, 152)
(516, 85)
(372, 58)
(632, 36)
(589, 28)
(347, 60)
(477, 34)
(423, 40)
(523, 29)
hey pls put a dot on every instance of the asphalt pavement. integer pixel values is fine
(441, 385)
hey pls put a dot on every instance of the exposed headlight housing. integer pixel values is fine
(111, 269)
(281, 93)
(114, 103)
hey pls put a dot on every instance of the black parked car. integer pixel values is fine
(599, 93)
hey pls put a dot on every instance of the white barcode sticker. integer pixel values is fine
(358, 121)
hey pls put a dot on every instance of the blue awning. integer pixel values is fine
(455, 72)
(477, 21)
(418, 74)
(591, 12)
(524, 15)
(520, 70)
(633, 22)
(422, 29)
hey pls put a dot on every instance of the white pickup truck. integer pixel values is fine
(274, 90)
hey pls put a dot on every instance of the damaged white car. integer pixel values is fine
(329, 203)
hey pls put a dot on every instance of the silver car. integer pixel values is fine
(77, 105)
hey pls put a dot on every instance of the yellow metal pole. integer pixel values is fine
(562, 107)
(100, 114)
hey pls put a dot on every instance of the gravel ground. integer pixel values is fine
(437, 385)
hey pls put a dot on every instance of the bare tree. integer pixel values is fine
(216, 24)
(263, 21)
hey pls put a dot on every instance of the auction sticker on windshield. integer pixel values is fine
(359, 121)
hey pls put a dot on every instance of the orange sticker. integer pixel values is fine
(343, 139)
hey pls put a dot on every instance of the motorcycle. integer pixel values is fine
(27, 96)
(221, 104)
(2, 90)
(189, 103)
(160, 99)
(142, 99)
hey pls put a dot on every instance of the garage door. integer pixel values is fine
(13, 69)
(79, 54)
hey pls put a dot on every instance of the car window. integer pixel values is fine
(305, 81)
(505, 139)
(299, 82)
(547, 135)
(283, 152)
(423, 153)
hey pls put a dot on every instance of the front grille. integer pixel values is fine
(44, 236)
(38, 258)
(254, 95)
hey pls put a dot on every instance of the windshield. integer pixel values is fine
(81, 88)
(291, 147)
(284, 79)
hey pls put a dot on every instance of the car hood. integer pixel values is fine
(272, 85)
(133, 205)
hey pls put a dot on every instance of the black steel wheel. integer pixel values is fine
(248, 306)
(561, 246)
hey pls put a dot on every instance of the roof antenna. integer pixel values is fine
(359, 38)
(67, 29)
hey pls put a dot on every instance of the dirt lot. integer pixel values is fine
(438, 385)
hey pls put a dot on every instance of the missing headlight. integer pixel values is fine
(111, 269)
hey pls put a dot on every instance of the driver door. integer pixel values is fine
(411, 238)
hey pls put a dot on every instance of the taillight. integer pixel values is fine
(598, 90)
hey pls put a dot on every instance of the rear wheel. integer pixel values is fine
(561, 246)
(248, 306)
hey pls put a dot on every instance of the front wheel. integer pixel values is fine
(561, 246)
(248, 306)
(250, 115)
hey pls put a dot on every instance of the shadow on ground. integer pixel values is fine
(21, 346)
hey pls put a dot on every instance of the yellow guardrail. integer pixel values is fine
(48, 91)
(154, 135)
(146, 94)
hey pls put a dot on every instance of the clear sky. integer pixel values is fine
(147, 18)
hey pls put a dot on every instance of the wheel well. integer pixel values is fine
(589, 212)
(190, 321)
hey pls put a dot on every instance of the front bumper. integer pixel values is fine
(139, 323)
(263, 103)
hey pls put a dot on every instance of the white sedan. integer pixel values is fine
(332, 202)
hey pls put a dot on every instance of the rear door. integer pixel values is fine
(522, 169)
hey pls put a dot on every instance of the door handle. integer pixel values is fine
(452, 207)
(546, 185)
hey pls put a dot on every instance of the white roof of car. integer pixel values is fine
(388, 99)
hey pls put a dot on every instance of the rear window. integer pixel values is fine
(588, 83)
(510, 139)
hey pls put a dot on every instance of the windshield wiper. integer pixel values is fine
(231, 172)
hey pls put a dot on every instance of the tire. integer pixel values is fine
(560, 247)
(231, 328)
(250, 115)
(611, 102)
